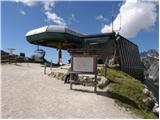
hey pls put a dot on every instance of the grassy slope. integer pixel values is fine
(127, 92)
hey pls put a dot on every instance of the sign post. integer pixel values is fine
(83, 64)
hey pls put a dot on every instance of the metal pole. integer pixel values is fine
(70, 81)
(106, 64)
(112, 16)
(95, 86)
(51, 66)
(9, 59)
(15, 62)
(60, 56)
(45, 68)
(105, 74)
(27, 60)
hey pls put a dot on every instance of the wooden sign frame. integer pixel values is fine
(94, 63)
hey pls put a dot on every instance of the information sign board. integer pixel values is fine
(84, 64)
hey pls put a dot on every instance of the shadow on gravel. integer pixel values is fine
(113, 95)
(54, 66)
(86, 91)
(18, 65)
(118, 97)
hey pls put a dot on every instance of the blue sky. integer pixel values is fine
(17, 18)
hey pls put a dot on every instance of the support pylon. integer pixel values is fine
(60, 57)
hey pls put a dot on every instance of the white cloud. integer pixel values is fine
(54, 18)
(101, 18)
(135, 16)
(28, 2)
(72, 18)
(47, 4)
(22, 12)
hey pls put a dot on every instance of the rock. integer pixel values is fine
(148, 57)
(103, 83)
(149, 102)
(146, 91)
(60, 76)
(84, 77)
(80, 78)
(98, 78)
(156, 109)
(87, 78)
(103, 80)
(57, 75)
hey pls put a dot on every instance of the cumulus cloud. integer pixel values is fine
(22, 12)
(54, 18)
(28, 2)
(101, 18)
(47, 6)
(133, 17)
(72, 18)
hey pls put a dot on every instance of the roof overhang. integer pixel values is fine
(56, 36)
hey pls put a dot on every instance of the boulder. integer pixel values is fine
(156, 109)
(146, 91)
(149, 102)
(103, 82)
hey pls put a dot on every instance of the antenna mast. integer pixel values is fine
(120, 22)
(112, 16)
(120, 17)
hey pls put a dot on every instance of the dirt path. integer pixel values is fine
(28, 93)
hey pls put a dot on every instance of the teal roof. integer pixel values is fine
(54, 28)
(56, 36)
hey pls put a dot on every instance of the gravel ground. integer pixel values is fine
(28, 93)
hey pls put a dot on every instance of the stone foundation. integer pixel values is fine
(82, 77)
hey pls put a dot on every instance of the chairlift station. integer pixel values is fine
(106, 46)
